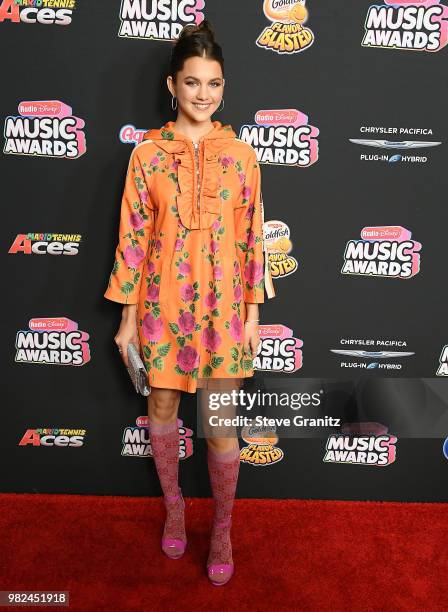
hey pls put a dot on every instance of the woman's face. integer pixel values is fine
(199, 88)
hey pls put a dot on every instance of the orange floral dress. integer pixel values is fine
(191, 254)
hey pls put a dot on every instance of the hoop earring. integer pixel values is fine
(172, 100)
(218, 110)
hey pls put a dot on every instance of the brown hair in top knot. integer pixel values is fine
(195, 41)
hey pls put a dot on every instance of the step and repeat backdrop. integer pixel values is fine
(346, 107)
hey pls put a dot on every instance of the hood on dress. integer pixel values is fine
(181, 150)
(170, 133)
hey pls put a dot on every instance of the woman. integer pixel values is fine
(189, 272)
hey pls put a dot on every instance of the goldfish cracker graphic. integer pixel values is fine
(259, 435)
(286, 34)
(267, 438)
(296, 12)
(282, 245)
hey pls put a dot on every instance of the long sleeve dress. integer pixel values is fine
(191, 254)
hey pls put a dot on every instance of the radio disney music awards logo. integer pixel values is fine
(386, 251)
(442, 370)
(282, 137)
(377, 448)
(61, 437)
(278, 245)
(46, 12)
(53, 341)
(136, 441)
(410, 25)
(389, 147)
(45, 128)
(45, 244)
(129, 134)
(374, 354)
(158, 19)
(287, 33)
(261, 449)
(279, 350)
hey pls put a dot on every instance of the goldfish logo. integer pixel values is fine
(409, 25)
(278, 245)
(286, 34)
(260, 449)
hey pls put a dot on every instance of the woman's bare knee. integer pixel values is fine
(163, 404)
(222, 445)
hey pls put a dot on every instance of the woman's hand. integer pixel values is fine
(127, 332)
(251, 338)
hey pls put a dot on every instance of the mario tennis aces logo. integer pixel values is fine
(47, 12)
(411, 25)
(286, 34)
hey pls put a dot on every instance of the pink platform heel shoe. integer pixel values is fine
(221, 573)
(174, 548)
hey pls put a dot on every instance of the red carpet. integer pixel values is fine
(289, 555)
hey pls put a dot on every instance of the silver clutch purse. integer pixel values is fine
(137, 370)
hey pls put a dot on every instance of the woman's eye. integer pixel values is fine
(214, 84)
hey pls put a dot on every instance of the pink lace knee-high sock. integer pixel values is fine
(223, 470)
(165, 449)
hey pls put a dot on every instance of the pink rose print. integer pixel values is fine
(154, 161)
(210, 300)
(214, 246)
(178, 244)
(253, 272)
(151, 267)
(133, 256)
(158, 245)
(187, 358)
(236, 328)
(175, 164)
(217, 272)
(152, 328)
(242, 177)
(246, 192)
(210, 338)
(236, 267)
(250, 239)
(215, 225)
(186, 322)
(187, 292)
(238, 293)
(227, 161)
(250, 211)
(136, 220)
(184, 267)
(144, 195)
(152, 293)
